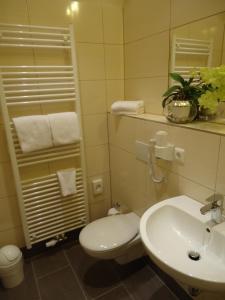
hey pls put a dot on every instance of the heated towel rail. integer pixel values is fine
(189, 48)
(44, 212)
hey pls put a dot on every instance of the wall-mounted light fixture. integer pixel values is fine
(73, 7)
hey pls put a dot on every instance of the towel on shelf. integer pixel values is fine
(65, 128)
(67, 182)
(33, 132)
(128, 107)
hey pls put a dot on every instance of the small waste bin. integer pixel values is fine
(11, 266)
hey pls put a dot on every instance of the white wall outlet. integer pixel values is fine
(97, 186)
(141, 150)
(179, 154)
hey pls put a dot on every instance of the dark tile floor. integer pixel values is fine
(67, 273)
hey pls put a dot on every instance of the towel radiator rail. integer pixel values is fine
(190, 48)
(44, 212)
(27, 36)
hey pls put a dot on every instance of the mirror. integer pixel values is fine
(199, 44)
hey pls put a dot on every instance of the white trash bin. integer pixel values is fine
(11, 266)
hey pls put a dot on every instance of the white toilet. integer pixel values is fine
(113, 237)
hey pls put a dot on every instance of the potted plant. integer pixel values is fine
(180, 101)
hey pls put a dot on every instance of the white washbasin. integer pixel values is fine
(172, 228)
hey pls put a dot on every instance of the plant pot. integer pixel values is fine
(180, 111)
(206, 115)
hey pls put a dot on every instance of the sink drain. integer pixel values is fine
(193, 255)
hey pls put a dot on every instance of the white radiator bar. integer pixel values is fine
(187, 48)
(36, 37)
(44, 212)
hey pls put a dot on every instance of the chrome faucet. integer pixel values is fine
(215, 206)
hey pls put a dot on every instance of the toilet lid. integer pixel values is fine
(110, 232)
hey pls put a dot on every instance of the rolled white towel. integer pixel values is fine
(67, 181)
(33, 132)
(65, 128)
(128, 107)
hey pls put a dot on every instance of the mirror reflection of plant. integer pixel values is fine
(215, 79)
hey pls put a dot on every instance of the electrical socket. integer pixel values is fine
(179, 154)
(97, 186)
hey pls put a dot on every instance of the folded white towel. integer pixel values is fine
(67, 181)
(33, 132)
(65, 128)
(128, 107)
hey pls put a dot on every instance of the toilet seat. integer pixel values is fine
(109, 233)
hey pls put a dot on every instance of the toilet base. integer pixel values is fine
(135, 252)
(122, 255)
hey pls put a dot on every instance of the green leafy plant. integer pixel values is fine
(184, 90)
(215, 79)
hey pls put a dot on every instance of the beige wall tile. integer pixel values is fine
(93, 97)
(88, 22)
(9, 215)
(188, 11)
(90, 61)
(175, 185)
(38, 170)
(23, 56)
(220, 182)
(144, 17)
(113, 22)
(63, 164)
(150, 129)
(4, 155)
(13, 11)
(98, 210)
(128, 179)
(201, 155)
(196, 178)
(45, 57)
(122, 132)
(114, 62)
(51, 12)
(7, 185)
(106, 195)
(115, 91)
(24, 110)
(57, 107)
(12, 236)
(148, 89)
(97, 159)
(210, 28)
(147, 57)
(95, 130)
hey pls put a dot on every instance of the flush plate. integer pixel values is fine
(141, 151)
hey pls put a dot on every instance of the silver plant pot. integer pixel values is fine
(180, 111)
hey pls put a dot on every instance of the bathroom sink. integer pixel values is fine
(184, 243)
